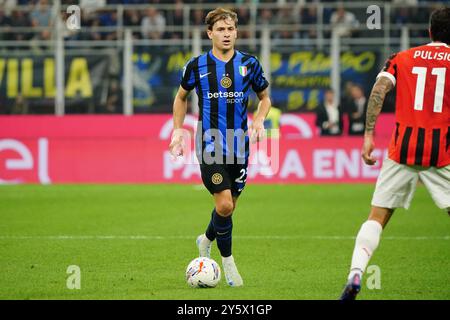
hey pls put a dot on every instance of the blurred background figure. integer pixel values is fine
(357, 110)
(19, 19)
(265, 17)
(153, 25)
(176, 18)
(286, 16)
(343, 22)
(5, 22)
(309, 18)
(90, 6)
(109, 19)
(20, 105)
(132, 19)
(329, 116)
(113, 102)
(41, 17)
(244, 20)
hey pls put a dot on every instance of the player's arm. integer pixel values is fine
(381, 87)
(176, 146)
(264, 105)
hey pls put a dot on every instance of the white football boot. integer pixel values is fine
(204, 246)
(232, 275)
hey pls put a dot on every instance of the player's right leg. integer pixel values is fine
(216, 179)
(395, 188)
(205, 240)
(366, 243)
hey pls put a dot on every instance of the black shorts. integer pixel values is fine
(220, 177)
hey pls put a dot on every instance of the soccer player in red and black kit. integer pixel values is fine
(419, 147)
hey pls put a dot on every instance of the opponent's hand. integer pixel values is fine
(177, 144)
(257, 131)
(367, 149)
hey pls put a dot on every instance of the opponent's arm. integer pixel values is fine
(381, 87)
(257, 126)
(176, 146)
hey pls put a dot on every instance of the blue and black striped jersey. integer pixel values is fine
(223, 89)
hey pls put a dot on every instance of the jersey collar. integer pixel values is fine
(437, 44)
(220, 61)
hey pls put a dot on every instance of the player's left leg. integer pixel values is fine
(223, 226)
(222, 221)
(437, 182)
(205, 240)
(237, 174)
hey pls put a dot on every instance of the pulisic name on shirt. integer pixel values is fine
(430, 55)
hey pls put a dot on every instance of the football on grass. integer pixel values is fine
(203, 273)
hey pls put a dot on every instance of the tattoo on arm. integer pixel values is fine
(382, 86)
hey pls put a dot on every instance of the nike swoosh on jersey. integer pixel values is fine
(204, 75)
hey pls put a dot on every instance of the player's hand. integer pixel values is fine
(177, 145)
(367, 149)
(257, 131)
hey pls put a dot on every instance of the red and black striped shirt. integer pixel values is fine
(422, 133)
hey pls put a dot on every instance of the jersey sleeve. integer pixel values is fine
(259, 82)
(188, 76)
(390, 69)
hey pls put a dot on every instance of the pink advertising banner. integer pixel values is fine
(134, 149)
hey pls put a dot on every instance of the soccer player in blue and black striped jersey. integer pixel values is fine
(222, 79)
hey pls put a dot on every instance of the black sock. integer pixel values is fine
(210, 232)
(223, 227)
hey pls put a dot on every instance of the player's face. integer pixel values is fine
(329, 96)
(223, 34)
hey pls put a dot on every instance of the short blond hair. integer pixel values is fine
(220, 14)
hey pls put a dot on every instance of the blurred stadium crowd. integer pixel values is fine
(154, 21)
(27, 30)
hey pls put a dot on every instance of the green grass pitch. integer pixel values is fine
(135, 241)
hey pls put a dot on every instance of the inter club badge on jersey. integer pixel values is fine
(243, 70)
